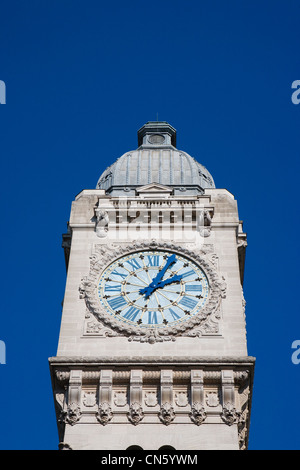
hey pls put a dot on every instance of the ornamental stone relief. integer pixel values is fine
(181, 399)
(198, 413)
(166, 414)
(221, 396)
(120, 399)
(104, 414)
(212, 399)
(89, 399)
(72, 415)
(151, 399)
(135, 414)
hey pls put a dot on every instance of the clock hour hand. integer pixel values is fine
(169, 281)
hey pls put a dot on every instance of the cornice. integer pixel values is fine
(153, 360)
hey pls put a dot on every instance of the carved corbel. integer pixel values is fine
(166, 414)
(230, 415)
(73, 412)
(104, 414)
(197, 414)
(136, 414)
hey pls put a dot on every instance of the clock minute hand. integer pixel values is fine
(152, 286)
(161, 273)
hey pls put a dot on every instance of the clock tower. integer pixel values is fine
(152, 349)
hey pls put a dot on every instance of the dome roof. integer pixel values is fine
(156, 160)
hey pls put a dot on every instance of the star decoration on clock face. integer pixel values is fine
(153, 288)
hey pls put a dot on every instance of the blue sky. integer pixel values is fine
(81, 79)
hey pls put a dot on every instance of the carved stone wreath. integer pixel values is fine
(104, 255)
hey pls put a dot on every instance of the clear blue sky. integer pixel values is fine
(81, 78)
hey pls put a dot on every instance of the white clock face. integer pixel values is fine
(153, 288)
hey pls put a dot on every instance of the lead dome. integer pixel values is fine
(156, 160)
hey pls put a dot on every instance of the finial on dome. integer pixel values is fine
(157, 133)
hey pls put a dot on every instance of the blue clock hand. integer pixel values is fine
(169, 281)
(153, 285)
(172, 259)
(148, 290)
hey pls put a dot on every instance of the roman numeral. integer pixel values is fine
(174, 314)
(152, 318)
(117, 273)
(134, 263)
(188, 302)
(188, 273)
(116, 288)
(117, 302)
(131, 313)
(193, 288)
(153, 260)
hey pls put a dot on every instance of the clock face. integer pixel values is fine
(153, 288)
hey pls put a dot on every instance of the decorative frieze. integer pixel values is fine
(161, 393)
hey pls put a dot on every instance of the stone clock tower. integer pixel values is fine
(152, 349)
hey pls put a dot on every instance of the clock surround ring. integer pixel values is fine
(104, 255)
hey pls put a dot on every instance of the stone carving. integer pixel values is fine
(166, 414)
(203, 381)
(208, 327)
(212, 399)
(103, 256)
(151, 335)
(198, 414)
(244, 392)
(205, 223)
(94, 327)
(71, 415)
(230, 414)
(60, 396)
(104, 414)
(101, 223)
(120, 398)
(135, 414)
(89, 399)
(181, 399)
(151, 399)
